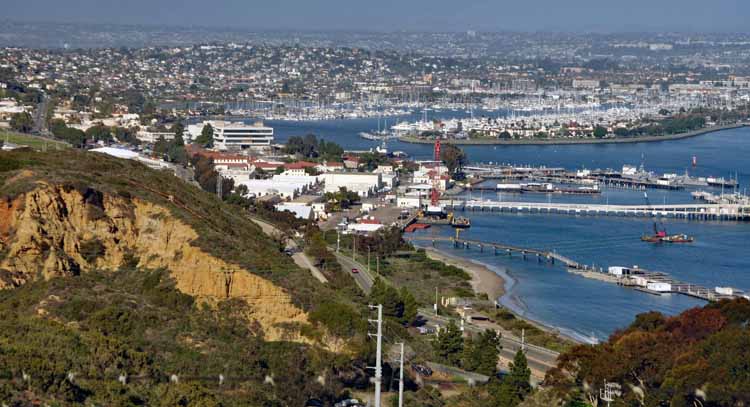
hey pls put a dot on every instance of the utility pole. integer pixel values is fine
(338, 240)
(368, 258)
(354, 247)
(436, 300)
(401, 379)
(218, 186)
(378, 351)
(523, 340)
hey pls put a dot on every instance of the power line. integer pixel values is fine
(378, 355)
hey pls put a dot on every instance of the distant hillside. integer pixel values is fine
(112, 268)
(698, 358)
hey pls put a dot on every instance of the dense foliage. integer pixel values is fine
(118, 338)
(311, 147)
(700, 357)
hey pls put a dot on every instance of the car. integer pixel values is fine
(355, 271)
(422, 370)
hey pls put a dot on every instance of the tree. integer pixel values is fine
(388, 297)
(410, 306)
(513, 388)
(520, 375)
(600, 132)
(449, 344)
(178, 129)
(343, 199)
(453, 157)
(504, 135)
(481, 353)
(99, 133)
(161, 147)
(22, 122)
(206, 139)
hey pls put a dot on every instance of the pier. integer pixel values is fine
(504, 249)
(721, 212)
(650, 282)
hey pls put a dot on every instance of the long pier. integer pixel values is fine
(725, 212)
(574, 267)
(508, 250)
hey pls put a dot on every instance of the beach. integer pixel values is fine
(483, 279)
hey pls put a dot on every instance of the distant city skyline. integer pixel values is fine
(392, 15)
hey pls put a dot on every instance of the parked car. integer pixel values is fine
(422, 370)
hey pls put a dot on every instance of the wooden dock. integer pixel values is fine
(504, 249)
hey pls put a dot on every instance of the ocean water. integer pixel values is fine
(578, 306)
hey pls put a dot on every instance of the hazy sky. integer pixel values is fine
(393, 15)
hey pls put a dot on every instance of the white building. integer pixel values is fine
(659, 287)
(241, 136)
(153, 136)
(307, 181)
(364, 184)
(300, 210)
(408, 202)
(262, 187)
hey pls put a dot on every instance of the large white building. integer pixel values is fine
(364, 184)
(236, 135)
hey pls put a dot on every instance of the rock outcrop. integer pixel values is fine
(58, 231)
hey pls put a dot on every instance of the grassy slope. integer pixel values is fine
(133, 322)
(126, 322)
(224, 231)
(34, 142)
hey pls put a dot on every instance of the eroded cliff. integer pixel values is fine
(55, 231)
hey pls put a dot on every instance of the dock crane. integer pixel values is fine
(659, 230)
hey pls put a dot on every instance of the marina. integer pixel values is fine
(551, 295)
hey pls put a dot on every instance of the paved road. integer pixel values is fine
(299, 257)
(40, 114)
(363, 278)
(539, 359)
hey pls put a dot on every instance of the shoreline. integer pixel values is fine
(551, 142)
(483, 279)
(496, 284)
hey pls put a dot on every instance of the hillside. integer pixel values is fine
(125, 270)
(698, 358)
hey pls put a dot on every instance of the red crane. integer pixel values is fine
(435, 193)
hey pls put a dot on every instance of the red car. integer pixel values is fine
(355, 271)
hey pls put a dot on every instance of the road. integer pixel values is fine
(539, 359)
(363, 279)
(299, 257)
(40, 115)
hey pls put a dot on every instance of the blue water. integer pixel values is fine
(579, 306)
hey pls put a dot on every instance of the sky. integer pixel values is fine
(399, 15)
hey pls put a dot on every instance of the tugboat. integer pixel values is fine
(460, 222)
(660, 233)
(661, 236)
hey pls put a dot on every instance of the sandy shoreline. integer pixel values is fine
(483, 280)
(487, 281)
(618, 140)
